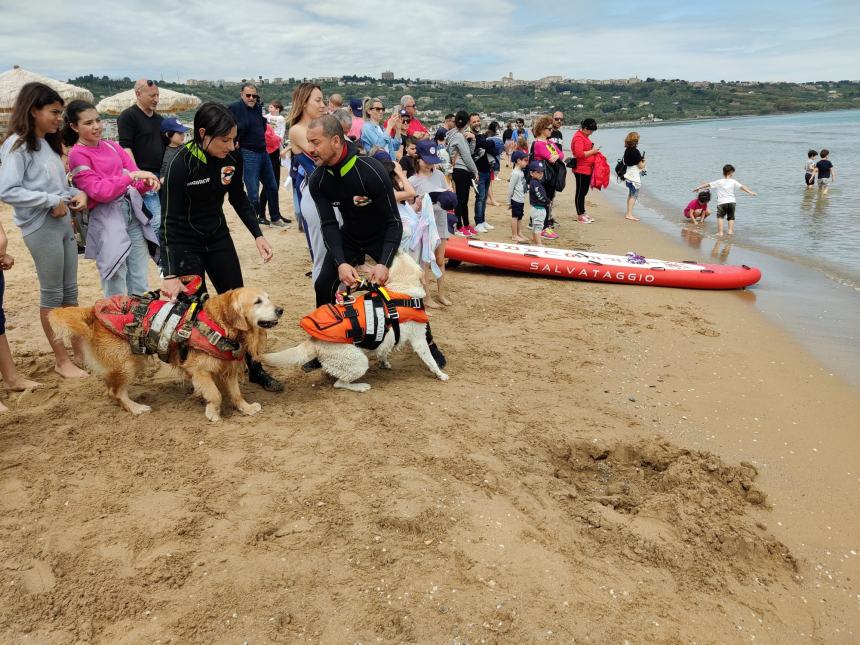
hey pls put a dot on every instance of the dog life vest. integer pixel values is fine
(155, 326)
(363, 320)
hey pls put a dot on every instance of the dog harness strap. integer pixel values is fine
(356, 332)
(412, 303)
(167, 331)
(155, 327)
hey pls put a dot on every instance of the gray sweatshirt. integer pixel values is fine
(32, 183)
(459, 145)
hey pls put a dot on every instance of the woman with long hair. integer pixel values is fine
(461, 143)
(583, 150)
(307, 105)
(195, 239)
(33, 181)
(119, 234)
(373, 135)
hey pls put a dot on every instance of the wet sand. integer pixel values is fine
(607, 463)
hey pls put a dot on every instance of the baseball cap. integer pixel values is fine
(172, 124)
(427, 151)
(381, 155)
(536, 166)
(355, 105)
(517, 155)
(440, 133)
(446, 199)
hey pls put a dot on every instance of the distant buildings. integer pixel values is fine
(388, 76)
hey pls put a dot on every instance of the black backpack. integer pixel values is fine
(620, 170)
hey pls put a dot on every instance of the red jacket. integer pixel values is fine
(600, 175)
(578, 147)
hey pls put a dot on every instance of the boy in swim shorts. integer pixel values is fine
(726, 201)
(826, 172)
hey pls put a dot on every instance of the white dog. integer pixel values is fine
(345, 361)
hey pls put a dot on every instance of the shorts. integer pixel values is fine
(632, 191)
(825, 181)
(538, 215)
(518, 209)
(808, 179)
(726, 210)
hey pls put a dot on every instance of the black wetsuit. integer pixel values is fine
(362, 191)
(194, 236)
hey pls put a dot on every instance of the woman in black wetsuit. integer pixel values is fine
(194, 236)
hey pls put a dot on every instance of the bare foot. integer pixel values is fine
(70, 370)
(632, 218)
(3, 408)
(21, 385)
(444, 300)
(522, 238)
(429, 302)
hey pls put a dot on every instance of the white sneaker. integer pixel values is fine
(489, 226)
(481, 228)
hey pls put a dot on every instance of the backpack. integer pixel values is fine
(554, 174)
(620, 170)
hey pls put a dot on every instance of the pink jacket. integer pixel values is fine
(103, 172)
(544, 150)
(579, 146)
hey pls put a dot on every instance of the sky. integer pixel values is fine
(766, 40)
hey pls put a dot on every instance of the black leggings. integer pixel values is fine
(215, 257)
(583, 183)
(462, 186)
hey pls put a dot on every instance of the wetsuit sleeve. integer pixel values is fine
(382, 193)
(174, 204)
(328, 221)
(239, 201)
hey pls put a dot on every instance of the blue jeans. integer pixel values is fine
(258, 168)
(152, 201)
(481, 197)
(131, 276)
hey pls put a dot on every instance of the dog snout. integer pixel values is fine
(279, 311)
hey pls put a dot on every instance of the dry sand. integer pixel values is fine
(607, 464)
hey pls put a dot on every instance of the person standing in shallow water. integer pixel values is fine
(635, 164)
(33, 182)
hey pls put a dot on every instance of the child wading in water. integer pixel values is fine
(726, 202)
(517, 187)
(697, 209)
(826, 172)
(12, 380)
(810, 169)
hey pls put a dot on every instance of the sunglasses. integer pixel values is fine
(151, 83)
(252, 96)
(378, 109)
(558, 118)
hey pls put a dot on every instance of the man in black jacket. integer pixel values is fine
(252, 145)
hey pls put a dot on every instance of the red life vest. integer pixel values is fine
(364, 320)
(152, 325)
(600, 174)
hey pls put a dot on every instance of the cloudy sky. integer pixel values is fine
(448, 39)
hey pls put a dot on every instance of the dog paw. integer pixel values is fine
(139, 408)
(213, 415)
(251, 409)
(385, 365)
(443, 377)
(360, 387)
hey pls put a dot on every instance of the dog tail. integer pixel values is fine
(72, 321)
(298, 355)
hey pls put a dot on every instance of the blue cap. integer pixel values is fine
(516, 155)
(440, 133)
(172, 124)
(536, 166)
(355, 105)
(446, 199)
(381, 155)
(427, 151)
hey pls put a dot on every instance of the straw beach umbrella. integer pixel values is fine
(169, 102)
(12, 81)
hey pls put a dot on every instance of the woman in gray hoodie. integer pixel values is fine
(33, 181)
(461, 144)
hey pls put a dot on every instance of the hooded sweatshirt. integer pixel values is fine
(32, 183)
(457, 143)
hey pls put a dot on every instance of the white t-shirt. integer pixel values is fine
(278, 123)
(725, 189)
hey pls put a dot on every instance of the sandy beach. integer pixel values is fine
(607, 464)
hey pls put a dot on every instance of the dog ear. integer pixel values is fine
(236, 316)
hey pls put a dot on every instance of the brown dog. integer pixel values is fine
(243, 313)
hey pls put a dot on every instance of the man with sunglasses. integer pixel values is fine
(416, 129)
(139, 132)
(257, 167)
(556, 136)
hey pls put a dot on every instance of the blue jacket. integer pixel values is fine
(373, 135)
(252, 126)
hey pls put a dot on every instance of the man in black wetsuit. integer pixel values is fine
(360, 188)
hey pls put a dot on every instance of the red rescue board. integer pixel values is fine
(600, 267)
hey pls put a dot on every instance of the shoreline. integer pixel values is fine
(580, 474)
(612, 125)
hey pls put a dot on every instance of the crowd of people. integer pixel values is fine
(366, 180)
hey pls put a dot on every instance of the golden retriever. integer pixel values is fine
(347, 362)
(244, 314)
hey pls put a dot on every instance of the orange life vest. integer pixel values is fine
(363, 320)
(155, 326)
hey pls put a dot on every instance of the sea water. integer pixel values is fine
(806, 243)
